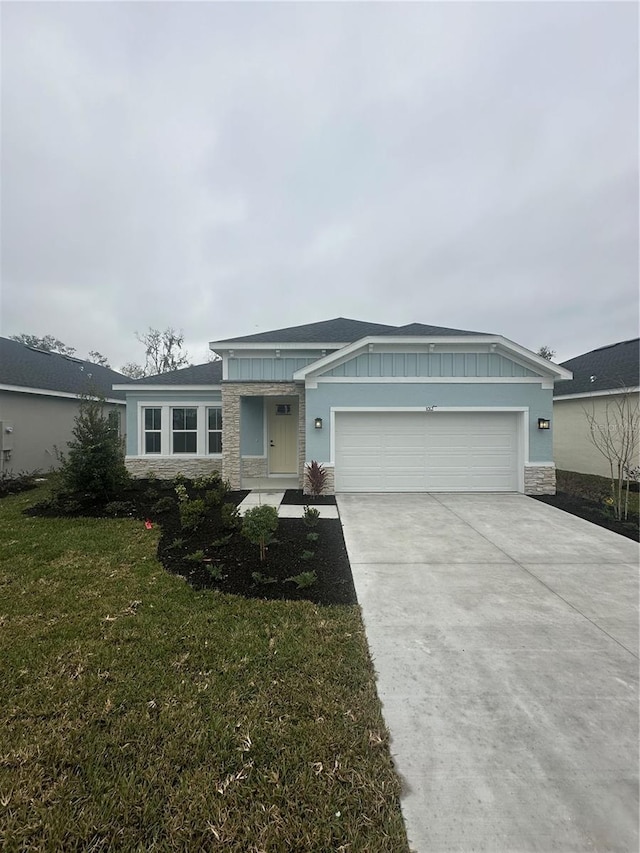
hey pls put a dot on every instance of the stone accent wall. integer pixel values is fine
(539, 479)
(254, 467)
(330, 486)
(231, 394)
(166, 468)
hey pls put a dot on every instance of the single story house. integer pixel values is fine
(600, 380)
(383, 408)
(40, 399)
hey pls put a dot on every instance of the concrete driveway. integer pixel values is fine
(505, 637)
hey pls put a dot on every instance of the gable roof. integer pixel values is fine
(340, 330)
(24, 367)
(209, 373)
(603, 369)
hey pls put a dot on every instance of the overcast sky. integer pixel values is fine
(227, 168)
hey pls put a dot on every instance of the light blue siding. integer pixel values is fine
(426, 364)
(251, 426)
(321, 399)
(268, 368)
(178, 397)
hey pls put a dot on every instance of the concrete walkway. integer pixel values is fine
(505, 637)
(261, 496)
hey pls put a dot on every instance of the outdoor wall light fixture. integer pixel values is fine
(544, 423)
(318, 423)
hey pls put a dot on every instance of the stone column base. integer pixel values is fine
(539, 479)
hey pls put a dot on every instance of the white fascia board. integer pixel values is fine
(486, 341)
(134, 388)
(608, 392)
(45, 392)
(266, 345)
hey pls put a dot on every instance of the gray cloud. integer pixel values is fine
(225, 168)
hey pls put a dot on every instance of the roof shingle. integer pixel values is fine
(603, 369)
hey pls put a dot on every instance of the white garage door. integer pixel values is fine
(426, 451)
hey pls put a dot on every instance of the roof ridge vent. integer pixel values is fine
(36, 349)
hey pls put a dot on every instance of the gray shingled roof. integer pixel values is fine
(198, 374)
(340, 330)
(25, 367)
(613, 366)
(418, 329)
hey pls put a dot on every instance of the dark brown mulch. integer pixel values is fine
(227, 549)
(295, 497)
(593, 512)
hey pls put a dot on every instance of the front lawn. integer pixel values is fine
(137, 713)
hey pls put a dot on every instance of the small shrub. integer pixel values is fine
(307, 555)
(11, 483)
(181, 493)
(258, 525)
(216, 570)
(230, 517)
(119, 508)
(151, 495)
(303, 580)
(213, 497)
(315, 476)
(196, 556)
(165, 504)
(313, 536)
(177, 543)
(191, 513)
(222, 540)
(207, 481)
(260, 578)
(310, 516)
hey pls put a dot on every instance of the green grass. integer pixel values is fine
(137, 714)
(591, 487)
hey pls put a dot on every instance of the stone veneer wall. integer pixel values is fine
(539, 479)
(231, 394)
(254, 466)
(330, 485)
(166, 468)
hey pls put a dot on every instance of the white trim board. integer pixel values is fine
(608, 392)
(45, 392)
(164, 388)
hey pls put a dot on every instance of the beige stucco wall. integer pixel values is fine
(573, 449)
(40, 424)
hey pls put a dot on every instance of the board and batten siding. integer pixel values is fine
(440, 364)
(269, 367)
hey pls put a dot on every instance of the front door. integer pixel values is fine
(283, 434)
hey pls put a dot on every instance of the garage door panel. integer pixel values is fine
(414, 451)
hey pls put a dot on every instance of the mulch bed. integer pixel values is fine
(295, 497)
(593, 512)
(227, 552)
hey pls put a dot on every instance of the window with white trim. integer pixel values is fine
(152, 430)
(184, 430)
(214, 430)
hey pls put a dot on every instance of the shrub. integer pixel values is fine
(216, 570)
(307, 555)
(165, 504)
(312, 536)
(214, 497)
(315, 476)
(11, 483)
(303, 580)
(177, 543)
(310, 516)
(258, 577)
(230, 517)
(195, 556)
(258, 525)
(191, 513)
(120, 508)
(208, 481)
(94, 466)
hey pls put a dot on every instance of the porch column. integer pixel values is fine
(231, 435)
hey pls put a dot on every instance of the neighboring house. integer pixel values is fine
(383, 408)
(600, 377)
(39, 401)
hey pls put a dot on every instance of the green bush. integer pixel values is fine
(191, 513)
(310, 516)
(119, 509)
(94, 466)
(165, 504)
(303, 580)
(230, 517)
(11, 483)
(195, 557)
(258, 525)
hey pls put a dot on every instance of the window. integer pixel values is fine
(152, 424)
(214, 430)
(185, 430)
(283, 409)
(113, 420)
